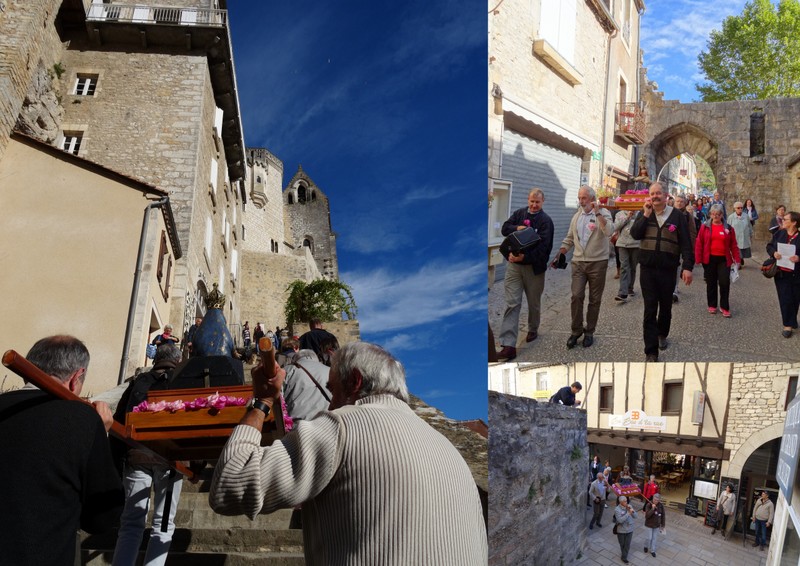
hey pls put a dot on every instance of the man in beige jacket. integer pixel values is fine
(589, 231)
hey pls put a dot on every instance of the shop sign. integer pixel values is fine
(788, 456)
(698, 407)
(637, 419)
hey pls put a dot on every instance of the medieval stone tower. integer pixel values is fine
(308, 216)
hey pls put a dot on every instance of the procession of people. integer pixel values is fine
(658, 247)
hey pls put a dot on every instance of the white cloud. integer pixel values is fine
(390, 301)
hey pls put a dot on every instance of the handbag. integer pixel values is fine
(151, 351)
(769, 268)
(519, 241)
(616, 526)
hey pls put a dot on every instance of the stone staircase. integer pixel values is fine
(206, 539)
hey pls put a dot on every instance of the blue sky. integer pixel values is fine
(384, 106)
(673, 35)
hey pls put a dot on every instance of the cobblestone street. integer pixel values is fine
(752, 334)
(687, 542)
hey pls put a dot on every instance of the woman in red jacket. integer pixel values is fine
(716, 249)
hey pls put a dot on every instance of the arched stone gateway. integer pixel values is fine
(753, 146)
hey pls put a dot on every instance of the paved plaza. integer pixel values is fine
(752, 334)
(687, 543)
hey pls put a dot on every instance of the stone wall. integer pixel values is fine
(27, 38)
(538, 475)
(720, 133)
(756, 411)
(264, 280)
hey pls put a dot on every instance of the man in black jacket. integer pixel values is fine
(665, 238)
(525, 272)
(566, 395)
(55, 462)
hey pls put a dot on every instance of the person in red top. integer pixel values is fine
(716, 249)
(650, 489)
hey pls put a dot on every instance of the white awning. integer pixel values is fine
(539, 119)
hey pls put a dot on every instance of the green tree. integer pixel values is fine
(322, 298)
(755, 56)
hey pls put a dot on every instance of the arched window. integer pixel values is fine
(301, 194)
(313, 195)
(291, 199)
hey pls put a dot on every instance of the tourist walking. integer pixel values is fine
(624, 515)
(665, 241)
(726, 506)
(750, 211)
(650, 488)
(682, 204)
(588, 233)
(717, 250)
(763, 516)
(597, 493)
(776, 222)
(258, 334)
(787, 280)
(740, 224)
(628, 252)
(654, 522)
(246, 338)
(525, 273)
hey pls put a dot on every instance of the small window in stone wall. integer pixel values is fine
(757, 133)
(72, 142)
(606, 398)
(672, 399)
(791, 391)
(301, 194)
(290, 199)
(85, 85)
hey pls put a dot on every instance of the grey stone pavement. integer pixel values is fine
(687, 542)
(753, 333)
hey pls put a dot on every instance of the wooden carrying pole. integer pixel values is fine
(267, 352)
(26, 370)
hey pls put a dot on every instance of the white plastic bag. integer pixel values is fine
(734, 273)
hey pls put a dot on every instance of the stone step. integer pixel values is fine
(210, 546)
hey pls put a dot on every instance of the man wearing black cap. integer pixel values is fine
(566, 395)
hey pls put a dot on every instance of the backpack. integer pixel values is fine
(133, 395)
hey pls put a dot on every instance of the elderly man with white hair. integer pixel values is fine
(378, 485)
(589, 232)
(654, 522)
(624, 514)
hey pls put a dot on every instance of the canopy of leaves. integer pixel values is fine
(755, 56)
(322, 298)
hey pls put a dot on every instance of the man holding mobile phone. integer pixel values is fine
(665, 238)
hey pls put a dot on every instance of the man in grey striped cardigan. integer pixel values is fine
(378, 485)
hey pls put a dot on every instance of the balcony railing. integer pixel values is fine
(156, 15)
(629, 122)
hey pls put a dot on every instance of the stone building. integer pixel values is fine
(727, 419)
(148, 90)
(563, 104)
(308, 215)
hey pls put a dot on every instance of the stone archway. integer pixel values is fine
(753, 443)
(722, 133)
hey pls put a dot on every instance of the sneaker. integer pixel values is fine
(725, 313)
(674, 298)
(787, 333)
(606, 505)
(712, 310)
(508, 353)
(621, 298)
(653, 554)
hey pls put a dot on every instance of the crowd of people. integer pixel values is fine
(357, 449)
(661, 243)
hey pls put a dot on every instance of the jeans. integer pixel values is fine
(137, 483)
(718, 274)
(761, 532)
(624, 543)
(628, 258)
(653, 538)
